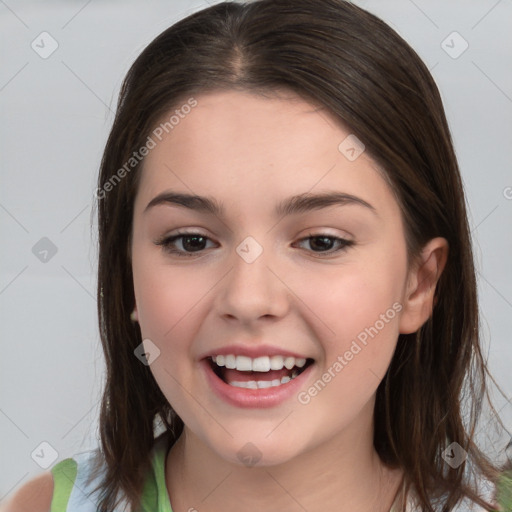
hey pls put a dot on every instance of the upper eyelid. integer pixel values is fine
(315, 231)
(326, 234)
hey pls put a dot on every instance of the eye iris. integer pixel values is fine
(194, 246)
(325, 243)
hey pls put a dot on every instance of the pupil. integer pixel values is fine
(323, 245)
(185, 244)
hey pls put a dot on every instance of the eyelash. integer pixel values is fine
(166, 243)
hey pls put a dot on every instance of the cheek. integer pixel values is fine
(165, 304)
(169, 309)
(360, 304)
(362, 310)
(166, 295)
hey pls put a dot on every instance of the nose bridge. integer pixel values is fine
(251, 290)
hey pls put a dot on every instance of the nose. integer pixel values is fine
(252, 289)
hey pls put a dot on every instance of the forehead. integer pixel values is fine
(241, 143)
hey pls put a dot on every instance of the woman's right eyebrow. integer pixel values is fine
(291, 206)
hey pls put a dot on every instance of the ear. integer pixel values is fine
(418, 300)
(134, 317)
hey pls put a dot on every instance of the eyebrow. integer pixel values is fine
(291, 206)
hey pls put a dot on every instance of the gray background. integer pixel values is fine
(56, 114)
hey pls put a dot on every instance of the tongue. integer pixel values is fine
(231, 375)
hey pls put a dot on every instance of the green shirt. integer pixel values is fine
(71, 490)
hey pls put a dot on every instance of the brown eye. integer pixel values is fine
(190, 243)
(322, 243)
(194, 243)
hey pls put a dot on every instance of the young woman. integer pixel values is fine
(287, 297)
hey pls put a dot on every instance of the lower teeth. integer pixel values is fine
(260, 384)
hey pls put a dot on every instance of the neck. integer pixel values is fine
(342, 475)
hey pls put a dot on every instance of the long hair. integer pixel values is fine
(335, 54)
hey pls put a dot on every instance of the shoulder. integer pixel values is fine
(72, 485)
(34, 496)
(65, 487)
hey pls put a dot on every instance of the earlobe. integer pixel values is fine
(421, 285)
(134, 317)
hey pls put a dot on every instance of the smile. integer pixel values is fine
(255, 382)
(257, 373)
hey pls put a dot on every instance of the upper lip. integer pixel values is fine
(252, 351)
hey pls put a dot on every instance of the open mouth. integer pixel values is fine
(258, 373)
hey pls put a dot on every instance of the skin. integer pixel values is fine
(251, 152)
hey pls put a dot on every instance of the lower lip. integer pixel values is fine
(255, 398)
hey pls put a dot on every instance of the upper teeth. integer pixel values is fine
(258, 364)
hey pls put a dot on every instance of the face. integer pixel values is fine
(252, 282)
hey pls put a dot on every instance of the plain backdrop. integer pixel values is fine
(56, 112)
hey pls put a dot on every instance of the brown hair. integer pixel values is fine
(335, 54)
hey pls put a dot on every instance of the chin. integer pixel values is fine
(258, 452)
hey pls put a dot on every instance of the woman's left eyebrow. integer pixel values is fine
(293, 205)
